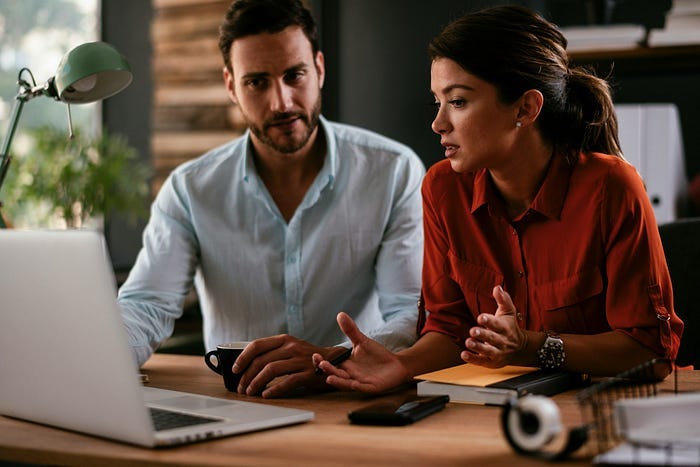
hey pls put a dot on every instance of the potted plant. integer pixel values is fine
(75, 179)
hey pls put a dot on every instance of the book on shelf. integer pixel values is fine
(474, 384)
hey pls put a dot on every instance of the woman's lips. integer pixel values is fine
(450, 150)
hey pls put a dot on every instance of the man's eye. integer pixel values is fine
(254, 83)
(293, 77)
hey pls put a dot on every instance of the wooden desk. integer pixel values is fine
(458, 435)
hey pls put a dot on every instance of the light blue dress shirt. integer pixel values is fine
(354, 244)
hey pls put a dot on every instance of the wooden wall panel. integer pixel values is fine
(191, 112)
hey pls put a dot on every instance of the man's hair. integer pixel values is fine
(249, 17)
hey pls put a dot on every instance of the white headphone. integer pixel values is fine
(531, 422)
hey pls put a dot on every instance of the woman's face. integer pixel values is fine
(476, 129)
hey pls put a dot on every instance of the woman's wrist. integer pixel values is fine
(433, 351)
(403, 368)
(527, 356)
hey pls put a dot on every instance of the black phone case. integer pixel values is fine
(398, 413)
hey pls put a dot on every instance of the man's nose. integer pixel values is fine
(281, 98)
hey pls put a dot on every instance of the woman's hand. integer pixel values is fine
(371, 368)
(497, 340)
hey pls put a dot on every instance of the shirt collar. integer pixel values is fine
(482, 190)
(328, 172)
(326, 176)
(549, 200)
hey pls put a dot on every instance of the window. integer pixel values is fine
(35, 34)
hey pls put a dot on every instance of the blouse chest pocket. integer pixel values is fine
(476, 282)
(572, 304)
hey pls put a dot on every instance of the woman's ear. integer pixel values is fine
(529, 106)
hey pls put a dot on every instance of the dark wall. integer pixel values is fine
(126, 25)
(379, 76)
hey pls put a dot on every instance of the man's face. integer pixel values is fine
(276, 81)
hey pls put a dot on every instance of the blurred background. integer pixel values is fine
(176, 107)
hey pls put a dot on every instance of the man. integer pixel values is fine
(282, 228)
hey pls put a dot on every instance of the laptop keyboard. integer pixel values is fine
(168, 420)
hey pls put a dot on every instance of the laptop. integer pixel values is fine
(65, 360)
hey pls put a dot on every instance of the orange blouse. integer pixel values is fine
(585, 258)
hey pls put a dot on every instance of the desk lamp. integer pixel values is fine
(88, 73)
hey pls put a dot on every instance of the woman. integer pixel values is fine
(541, 247)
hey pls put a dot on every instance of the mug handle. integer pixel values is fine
(207, 360)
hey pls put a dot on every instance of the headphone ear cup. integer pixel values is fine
(530, 423)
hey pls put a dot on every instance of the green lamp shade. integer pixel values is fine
(91, 72)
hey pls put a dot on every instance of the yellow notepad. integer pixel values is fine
(476, 384)
(475, 375)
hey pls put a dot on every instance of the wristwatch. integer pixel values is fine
(551, 355)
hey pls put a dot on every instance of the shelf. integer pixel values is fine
(649, 60)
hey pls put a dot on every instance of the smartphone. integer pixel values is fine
(398, 413)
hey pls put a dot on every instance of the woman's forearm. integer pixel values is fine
(604, 354)
(433, 351)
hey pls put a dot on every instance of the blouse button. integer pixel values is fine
(521, 273)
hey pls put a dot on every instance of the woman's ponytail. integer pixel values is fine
(591, 113)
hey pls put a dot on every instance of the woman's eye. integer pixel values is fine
(457, 102)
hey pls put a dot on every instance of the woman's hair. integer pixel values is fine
(249, 17)
(516, 50)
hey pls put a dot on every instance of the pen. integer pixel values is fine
(337, 360)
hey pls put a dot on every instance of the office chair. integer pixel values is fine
(681, 242)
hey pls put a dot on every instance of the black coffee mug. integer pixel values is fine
(226, 355)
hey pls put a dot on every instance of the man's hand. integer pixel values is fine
(273, 366)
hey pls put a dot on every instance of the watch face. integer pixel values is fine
(551, 354)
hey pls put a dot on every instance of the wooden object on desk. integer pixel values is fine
(458, 435)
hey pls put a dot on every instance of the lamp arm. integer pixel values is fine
(26, 92)
(6, 158)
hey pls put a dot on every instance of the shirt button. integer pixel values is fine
(521, 273)
(514, 232)
(519, 316)
(292, 259)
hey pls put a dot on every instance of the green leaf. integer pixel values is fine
(79, 177)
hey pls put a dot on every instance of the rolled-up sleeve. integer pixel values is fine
(635, 261)
(153, 295)
(399, 259)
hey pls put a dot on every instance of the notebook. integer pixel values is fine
(473, 384)
(65, 360)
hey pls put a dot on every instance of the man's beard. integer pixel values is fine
(287, 146)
